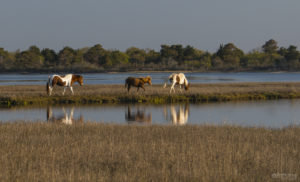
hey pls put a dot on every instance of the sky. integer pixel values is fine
(121, 24)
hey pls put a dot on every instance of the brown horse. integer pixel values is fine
(137, 82)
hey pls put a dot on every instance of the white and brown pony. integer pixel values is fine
(65, 81)
(178, 79)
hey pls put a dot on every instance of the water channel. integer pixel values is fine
(270, 114)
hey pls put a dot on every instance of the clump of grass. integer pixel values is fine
(108, 152)
(36, 94)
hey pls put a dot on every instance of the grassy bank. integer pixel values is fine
(36, 94)
(107, 152)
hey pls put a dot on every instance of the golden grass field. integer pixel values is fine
(36, 94)
(108, 152)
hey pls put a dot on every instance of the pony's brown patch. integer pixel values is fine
(58, 81)
(177, 79)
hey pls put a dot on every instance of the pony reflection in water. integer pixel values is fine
(65, 81)
(65, 117)
(137, 117)
(178, 116)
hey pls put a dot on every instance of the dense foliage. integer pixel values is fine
(228, 57)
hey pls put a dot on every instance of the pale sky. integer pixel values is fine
(120, 24)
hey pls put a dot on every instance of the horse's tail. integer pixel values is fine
(165, 85)
(186, 84)
(126, 83)
(48, 86)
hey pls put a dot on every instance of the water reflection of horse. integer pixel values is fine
(65, 81)
(178, 115)
(139, 116)
(65, 117)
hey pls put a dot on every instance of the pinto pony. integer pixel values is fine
(65, 81)
(178, 79)
(137, 82)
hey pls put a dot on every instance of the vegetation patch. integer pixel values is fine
(109, 152)
(101, 94)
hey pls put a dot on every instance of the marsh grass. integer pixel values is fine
(36, 94)
(108, 152)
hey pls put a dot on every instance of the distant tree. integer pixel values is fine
(292, 53)
(34, 50)
(205, 61)
(50, 56)
(66, 56)
(4, 59)
(118, 57)
(173, 52)
(290, 59)
(152, 56)
(30, 59)
(230, 55)
(270, 47)
(136, 55)
(189, 53)
(253, 60)
(95, 55)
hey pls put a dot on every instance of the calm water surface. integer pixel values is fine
(271, 114)
(158, 78)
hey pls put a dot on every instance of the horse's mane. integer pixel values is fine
(145, 79)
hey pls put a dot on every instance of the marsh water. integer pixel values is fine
(157, 78)
(270, 114)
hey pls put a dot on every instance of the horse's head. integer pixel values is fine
(187, 86)
(148, 80)
(80, 80)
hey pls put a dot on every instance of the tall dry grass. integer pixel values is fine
(107, 152)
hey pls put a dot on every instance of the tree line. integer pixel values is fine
(228, 57)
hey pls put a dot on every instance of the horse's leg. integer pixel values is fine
(50, 90)
(172, 88)
(71, 88)
(65, 88)
(128, 88)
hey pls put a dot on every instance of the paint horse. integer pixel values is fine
(178, 79)
(65, 81)
(137, 82)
